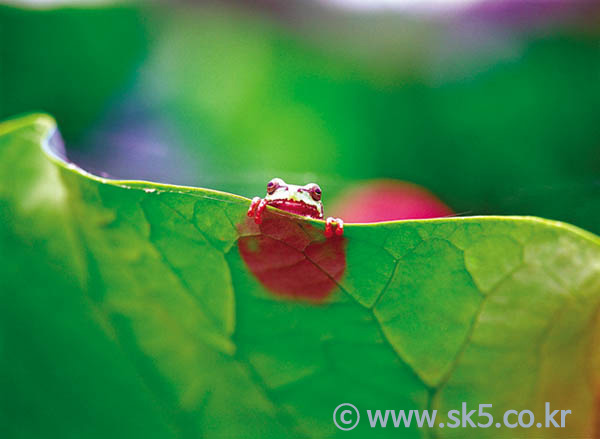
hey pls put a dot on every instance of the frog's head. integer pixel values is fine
(301, 200)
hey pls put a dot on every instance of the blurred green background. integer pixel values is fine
(494, 107)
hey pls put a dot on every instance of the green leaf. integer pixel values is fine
(132, 309)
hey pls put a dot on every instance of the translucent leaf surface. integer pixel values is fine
(131, 309)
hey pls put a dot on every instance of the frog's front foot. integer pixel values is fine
(334, 225)
(256, 209)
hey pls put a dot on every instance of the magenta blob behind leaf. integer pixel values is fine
(388, 200)
(292, 258)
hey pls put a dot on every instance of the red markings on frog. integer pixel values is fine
(291, 258)
(296, 207)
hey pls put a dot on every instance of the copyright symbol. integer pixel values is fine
(345, 414)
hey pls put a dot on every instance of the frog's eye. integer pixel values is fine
(315, 191)
(274, 184)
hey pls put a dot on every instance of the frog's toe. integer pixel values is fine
(259, 211)
(334, 226)
(339, 230)
(253, 205)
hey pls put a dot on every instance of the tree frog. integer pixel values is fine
(300, 200)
